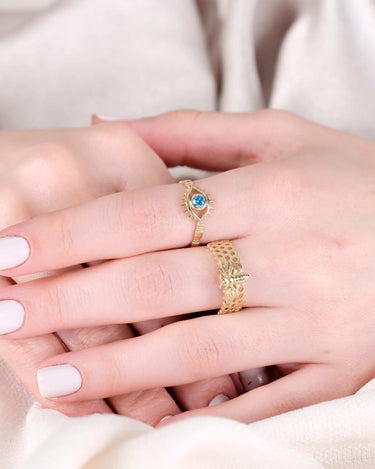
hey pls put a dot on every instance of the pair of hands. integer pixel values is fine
(301, 218)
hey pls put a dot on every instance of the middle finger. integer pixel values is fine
(141, 288)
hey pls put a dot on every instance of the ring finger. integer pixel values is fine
(145, 287)
(308, 385)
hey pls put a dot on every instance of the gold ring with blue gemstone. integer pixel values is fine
(198, 205)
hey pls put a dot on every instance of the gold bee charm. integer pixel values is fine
(232, 278)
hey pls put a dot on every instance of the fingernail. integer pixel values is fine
(59, 380)
(166, 418)
(12, 316)
(219, 399)
(110, 118)
(254, 378)
(14, 251)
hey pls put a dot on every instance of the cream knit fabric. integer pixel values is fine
(62, 60)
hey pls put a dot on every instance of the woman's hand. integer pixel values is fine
(54, 169)
(303, 223)
(42, 171)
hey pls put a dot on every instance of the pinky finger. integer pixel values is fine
(307, 386)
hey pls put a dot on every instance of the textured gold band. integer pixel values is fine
(232, 278)
(198, 205)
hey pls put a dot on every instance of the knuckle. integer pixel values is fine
(119, 376)
(55, 167)
(14, 207)
(144, 215)
(287, 137)
(150, 287)
(54, 302)
(60, 226)
(24, 355)
(46, 159)
(130, 403)
(19, 351)
(140, 405)
(183, 116)
(199, 353)
(93, 336)
(141, 216)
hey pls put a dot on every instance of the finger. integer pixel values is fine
(212, 391)
(133, 222)
(193, 395)
(149, 406)
(150, 286)
(25, 356)
(309, 385)
(180, 353)
(149, 325)
(220, 141)
(207, 392)
(55, 167)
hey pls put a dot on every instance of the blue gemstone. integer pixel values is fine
(198, 201)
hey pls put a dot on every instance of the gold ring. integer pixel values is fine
(232, 278)
(198, 205)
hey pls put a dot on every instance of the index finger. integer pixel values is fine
(130, 223)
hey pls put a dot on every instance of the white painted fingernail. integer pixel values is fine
(166, 418)
(12, 316)
(254, 378)
(111, 118)
(14, 251)
(219, 399)
(59, 380)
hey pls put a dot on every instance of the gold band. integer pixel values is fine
(232, 278)
(198, 205)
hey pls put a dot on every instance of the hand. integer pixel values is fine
(302, 221)
(42, 171)
(70, 168)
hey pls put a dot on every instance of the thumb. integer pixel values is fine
(216, 141)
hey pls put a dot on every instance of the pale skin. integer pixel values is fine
(298, 202)
(55, 169)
